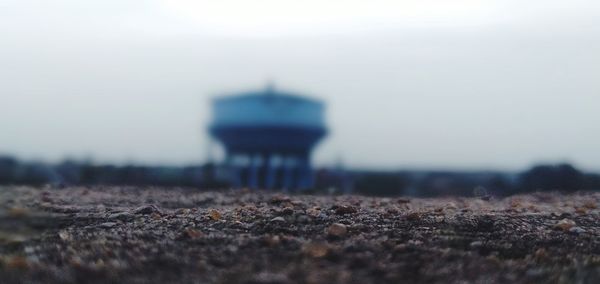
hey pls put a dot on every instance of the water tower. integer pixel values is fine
(268, 137)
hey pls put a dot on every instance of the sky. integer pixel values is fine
(463, 84)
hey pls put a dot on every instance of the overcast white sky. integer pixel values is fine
(419, 83)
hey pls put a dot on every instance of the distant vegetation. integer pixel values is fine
(79, 173)
(562, 177)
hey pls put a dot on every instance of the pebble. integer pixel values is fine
(577, 230)
(277, 199)
(400, 247)
(403, 200)
(541, 253)
(214, 215)
(535, 272)
(413, 216)
(146, 209)
(590, 205)
(287, 211)
(17, 262)
(564, 224)
(183, 211)
(272, 241)
(345, 209)
(337, 230)
(192, 234)
(121, 216)
(107, 225)
(316, 250)
(314, 212)
(303, 219)
(64, 235)
(18, 212)
(278, 219)
(269, 278)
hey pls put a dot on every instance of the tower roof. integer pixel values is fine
(267, 94)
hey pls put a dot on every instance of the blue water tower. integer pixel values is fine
(268, 137)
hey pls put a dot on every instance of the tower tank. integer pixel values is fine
(268, 137)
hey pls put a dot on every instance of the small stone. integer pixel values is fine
(413, 216)
(64, 235)
(146, 209)
(403, 200)
(590, 204)
(17, 262)
(316, 250)
(75, 261)
(232, 248)
(345, 209)
(303, 219)
(278, 219)
(192, 234)
(115, 263)
(277, 199)
(269, 278)
(541, 253)
(577, 230)
(98, 264)
(486, 197)
(392, 211)
(272, 241)
(183, 211)
(476, 244)
(287, 211)
(214, 215)
(515, 203)
(337, 230)
(535, 272)
(564, 225)
(400, 247)
(107, 225)
(45, 196)
(120, 216)
(29, 250)
(314, 212)
(18, 212)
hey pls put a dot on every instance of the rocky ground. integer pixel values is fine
(132, 235)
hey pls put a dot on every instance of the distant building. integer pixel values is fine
(268, 137)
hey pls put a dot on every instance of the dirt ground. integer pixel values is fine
(133, 235)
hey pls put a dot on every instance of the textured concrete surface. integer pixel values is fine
(133, 235)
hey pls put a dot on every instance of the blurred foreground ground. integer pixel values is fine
(131, 235)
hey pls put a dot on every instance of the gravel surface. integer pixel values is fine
(153, 235)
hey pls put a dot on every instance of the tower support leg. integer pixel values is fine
(253, 167)
(233, 170)
(288, 172)
(270, 171)
(305, 178)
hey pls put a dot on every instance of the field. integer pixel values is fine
(153, 235)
